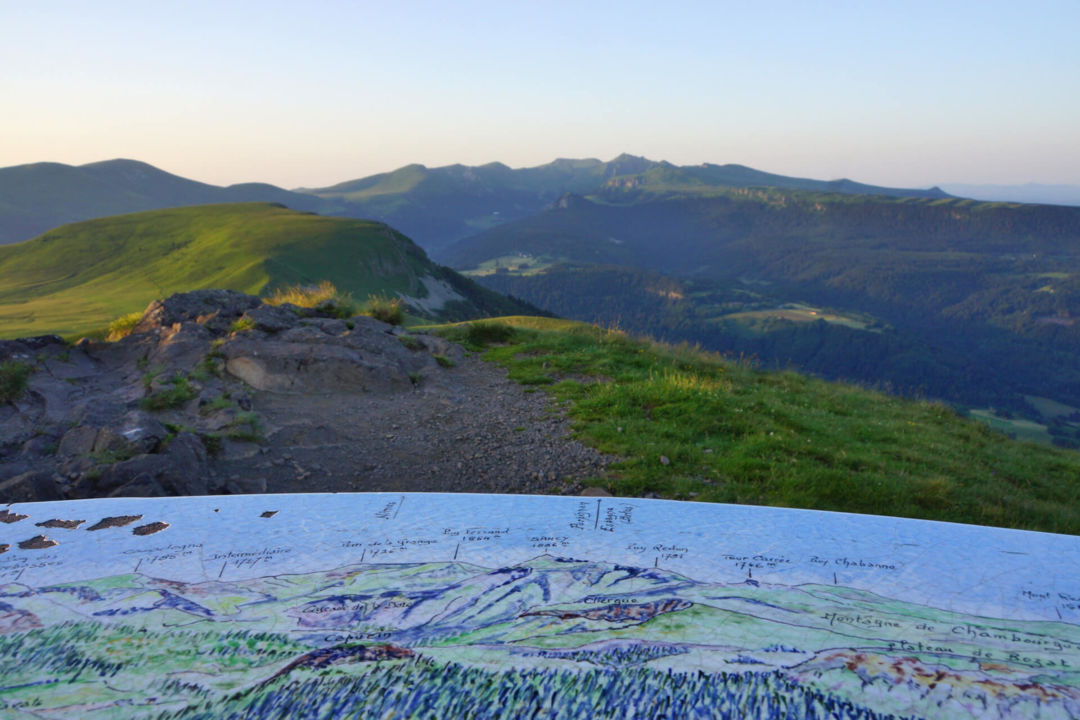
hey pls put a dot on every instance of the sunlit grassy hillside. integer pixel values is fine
(693, 425)
(78, 277)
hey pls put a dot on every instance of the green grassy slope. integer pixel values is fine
(730, 433)
(77, 278)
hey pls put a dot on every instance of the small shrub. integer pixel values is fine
(410, 342)
(174, 397)
(122, 326)
(488, 333)
(14, 377)
(388, 310)
(444, 361)
(323, 297)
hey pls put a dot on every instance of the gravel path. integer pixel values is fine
(474, 431)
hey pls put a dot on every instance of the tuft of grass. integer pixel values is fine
(242, 324)
(410, 342)
(212, 443)
(111, 457)
(482, 334)
(478, 335)
(14, 377)
(219, 403)
(444, 361)
(324, 298)
(122, 326)
(150, 375)
(170, 398)
(244, 427)
(388, 310)
(733, 433)
(208, 367)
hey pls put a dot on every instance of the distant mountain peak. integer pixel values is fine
(120, 162)
(626, 164)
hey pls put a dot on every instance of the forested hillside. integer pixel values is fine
(976, 303)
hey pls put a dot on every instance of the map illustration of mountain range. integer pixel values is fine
(377, 605)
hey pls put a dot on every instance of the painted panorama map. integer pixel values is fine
(485, 606)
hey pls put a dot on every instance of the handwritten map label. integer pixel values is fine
(977, 632)
(549, 542)
(670, 552)
(249, 558)
(582, 516)
(376, 548)
(352, 637)
(614, 517)
(846, 562)
(164, 549)
(757, 562)
(859, 620)
(479, 534)
(1061, 600)
(390, 509)
(16, 565)
(849, 563)
(604, 600)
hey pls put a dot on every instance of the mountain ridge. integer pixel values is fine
(37, 197)
(440, 206)
(451, 201)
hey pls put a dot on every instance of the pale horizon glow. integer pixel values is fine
(905, 95)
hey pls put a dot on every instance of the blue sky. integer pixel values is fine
(897, 93)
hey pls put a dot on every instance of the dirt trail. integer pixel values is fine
(472, 431)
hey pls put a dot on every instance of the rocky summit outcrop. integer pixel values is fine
(216, 392)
